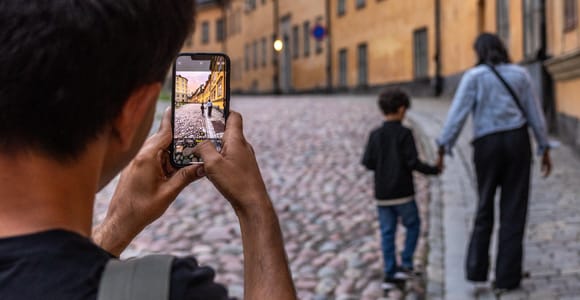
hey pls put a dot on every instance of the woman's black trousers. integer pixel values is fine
(502, 162)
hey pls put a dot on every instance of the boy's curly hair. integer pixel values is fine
(392, 99)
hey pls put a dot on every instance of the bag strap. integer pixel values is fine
(509, 88)
(144, 278)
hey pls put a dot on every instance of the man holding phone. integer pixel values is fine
(71, 120)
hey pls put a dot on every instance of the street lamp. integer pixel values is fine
(278, 45)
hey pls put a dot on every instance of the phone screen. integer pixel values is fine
(200, 104)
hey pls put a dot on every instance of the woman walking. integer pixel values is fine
(500, 97)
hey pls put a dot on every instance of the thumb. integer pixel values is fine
(207, 151)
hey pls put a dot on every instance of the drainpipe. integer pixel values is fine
(328, 48)
(438, 89)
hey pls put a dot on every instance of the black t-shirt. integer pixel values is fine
(59, 265)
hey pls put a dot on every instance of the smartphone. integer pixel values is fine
(200, 104)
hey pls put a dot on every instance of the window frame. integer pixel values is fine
(570, 15)
(363, 64)
(264, 52)
(341, 8)
(295, 41)
(247, 57)
(255, 55)
(502, 23)
(205, 32)
(307, 32)
(531, 29)
(220, 30)
(320, 43)
(421, 53)
(343, 68)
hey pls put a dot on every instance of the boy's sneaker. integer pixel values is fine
(503, 290)
(410, 272)
(392, 283)
(402, 275)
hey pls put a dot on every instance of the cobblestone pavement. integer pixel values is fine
(185, 116)
(309, 149)
(191, 125)
(552, 245)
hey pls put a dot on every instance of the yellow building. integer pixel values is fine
(181, 91)
(423, 45)
(564, 65)
(376, 43)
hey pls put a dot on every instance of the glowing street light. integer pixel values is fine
(278, 45)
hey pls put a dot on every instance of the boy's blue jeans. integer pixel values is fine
(388, 216)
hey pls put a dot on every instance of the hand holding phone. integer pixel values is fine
(200, 104)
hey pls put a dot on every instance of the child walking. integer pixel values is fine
(392, 155)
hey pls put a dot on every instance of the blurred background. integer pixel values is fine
(305, 74)
(305, 46)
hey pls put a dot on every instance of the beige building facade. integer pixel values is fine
(181, 91)
(365, 45)
(564, 65)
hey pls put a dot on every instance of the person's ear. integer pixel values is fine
(138, 109)
(402, 110)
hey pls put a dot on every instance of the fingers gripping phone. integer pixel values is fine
(200, 104)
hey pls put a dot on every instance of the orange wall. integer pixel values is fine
(387, 27)
(563, 44)
(209, 13)
(567, 93)
(307, 72)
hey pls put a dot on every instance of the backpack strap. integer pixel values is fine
(509, 88)
(145, 278)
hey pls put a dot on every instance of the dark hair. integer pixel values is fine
(491, 50)
(67, 66)
(391, 100)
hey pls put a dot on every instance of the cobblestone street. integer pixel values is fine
(309, 150)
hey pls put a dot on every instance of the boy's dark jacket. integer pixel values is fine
(391, 153)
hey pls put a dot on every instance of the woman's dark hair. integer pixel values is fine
(392, 99)
(490, 50)
(68, 66)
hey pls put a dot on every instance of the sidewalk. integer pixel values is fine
(552, 246)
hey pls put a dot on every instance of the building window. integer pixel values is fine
(306, 28)
(362, 65)
(360, 3)
(219, 30)
(503, 21)
(274, 53)
(532, 28)
(205, 32)
(246, 58)
(570, 14)
(264, 52)
(255, 54)
(420, 53)
(295, 41)
(319, 42)
(342, 66)
(250, 5)
(341, 8)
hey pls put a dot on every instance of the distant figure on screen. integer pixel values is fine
(209, 108)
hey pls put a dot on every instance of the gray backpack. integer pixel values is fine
(145, 278)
